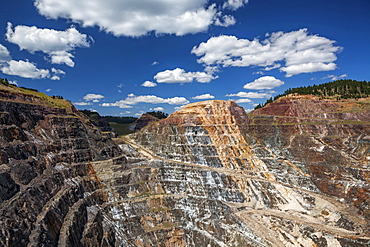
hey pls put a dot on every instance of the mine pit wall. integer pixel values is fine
(207, 175)
(171, 204)
(46, 184)
(334, 156)
(275, 169)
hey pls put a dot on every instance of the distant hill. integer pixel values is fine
(340, 89)
(119, 124)
(158, 114)
(127, 125)
(145, 120)
(120, 120)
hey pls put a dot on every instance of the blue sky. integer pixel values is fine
(127, 57)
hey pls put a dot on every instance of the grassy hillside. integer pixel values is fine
(54, 101)
(121, 129)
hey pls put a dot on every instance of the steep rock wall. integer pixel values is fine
(225, 178)
(45, 177)
(295, 173)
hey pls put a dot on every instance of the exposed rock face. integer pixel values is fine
(100, 122)
(105, 127)
(142, 121)
(295, 173)
(45, 180)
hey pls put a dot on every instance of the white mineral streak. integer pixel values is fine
(61, 167)
(332, 242)
(34, 138)
(294, 200)
(50, 155)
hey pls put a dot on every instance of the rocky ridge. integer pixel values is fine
(144, 120)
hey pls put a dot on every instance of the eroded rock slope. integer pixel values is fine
(295, 173)
(48, 191)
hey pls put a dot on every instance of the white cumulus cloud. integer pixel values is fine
(56, 74)
(82, 103)
(57, 44)
(149, 84)
(308, 68)
(139, 113)
(181, 76)
(4, 54)
(126, 112)
(265, 82)
(120, 104)
(55, 78)
(204, 96)
(253, 95)
(132, 99)
(177, 108)
(239, 101)
(24, 69)
(335, 77)
(225, 21)
(157, 109)
(13, 83)
(58, 71)
(235, 4)
(136, 18)
(293, 52)
(93, 97)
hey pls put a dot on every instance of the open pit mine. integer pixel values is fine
(293, 173)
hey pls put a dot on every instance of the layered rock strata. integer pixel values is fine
(293, 174)
(144, 120)
(47, 188)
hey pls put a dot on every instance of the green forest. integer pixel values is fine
(158, 114)
(340, 89)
